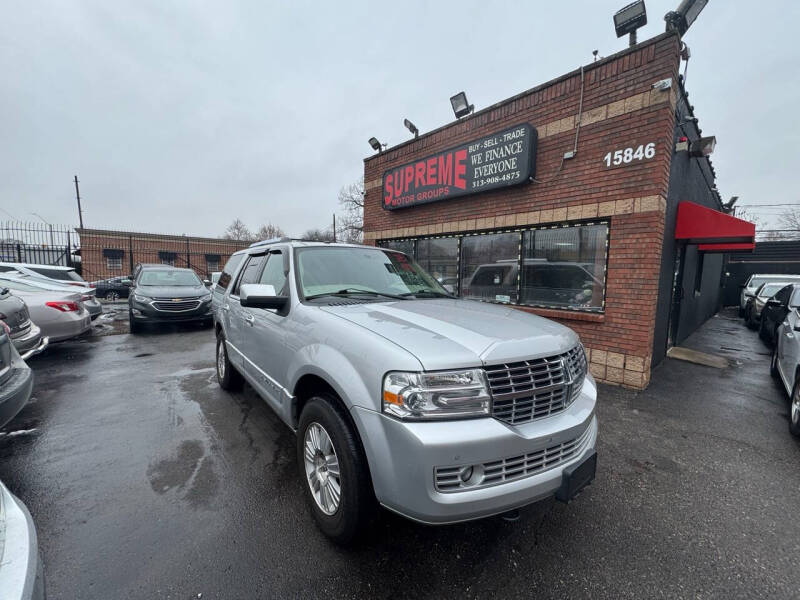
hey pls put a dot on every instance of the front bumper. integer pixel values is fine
(145, 312)
(403, 457)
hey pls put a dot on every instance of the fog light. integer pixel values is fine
(136, 312)
(466, 474)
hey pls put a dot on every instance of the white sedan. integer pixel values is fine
(786, 358)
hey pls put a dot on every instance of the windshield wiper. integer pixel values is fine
(433, 293)
(351, 291)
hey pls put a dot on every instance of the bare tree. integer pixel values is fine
(351, 221)
(237, 230)
(318, 235)
(269, 231)
(790, 219)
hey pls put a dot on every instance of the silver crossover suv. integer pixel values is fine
(441, 409)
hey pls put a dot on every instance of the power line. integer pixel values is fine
(762, 205)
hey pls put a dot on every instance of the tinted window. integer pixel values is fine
(59, 274)
(770, 289)
(564, 267)
(227, 273)
(489, 266)
(273, 274)
(250, 273)
(6, 269)
(783, 295)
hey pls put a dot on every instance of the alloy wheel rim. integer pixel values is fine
(322, 468)
(112, 296)
(221, 359)
(796, 405)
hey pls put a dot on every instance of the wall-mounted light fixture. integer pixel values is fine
(461, 106)
(681, 19)
(629, 18)
(703, 146)
(411, 127)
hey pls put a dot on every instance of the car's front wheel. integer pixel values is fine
(794, 409)
(334, 471)
(112, 296)
(228, 377)
(133, 325)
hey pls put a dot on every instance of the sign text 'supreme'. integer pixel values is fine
(498, 160)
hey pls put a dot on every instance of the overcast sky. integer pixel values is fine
(179, 116)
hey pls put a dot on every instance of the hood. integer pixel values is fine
(176, 291)
(452, 333)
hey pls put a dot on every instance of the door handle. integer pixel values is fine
(249, 318)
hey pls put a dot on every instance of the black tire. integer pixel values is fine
(773, 365)
(356, 505)
(762, 332)
(794, 408)
(112, 296)
(741, 312)
(132, 324)
(749, 318)
(228, 377)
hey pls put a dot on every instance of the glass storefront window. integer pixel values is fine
(439, 257)
(489, 266)
(406, 246)
(564, 267)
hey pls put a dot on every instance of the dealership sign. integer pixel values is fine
(498, 160)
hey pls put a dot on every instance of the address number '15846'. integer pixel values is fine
(628, 155)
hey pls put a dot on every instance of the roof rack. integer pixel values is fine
(282, 239)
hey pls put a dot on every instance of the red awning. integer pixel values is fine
(712, 230)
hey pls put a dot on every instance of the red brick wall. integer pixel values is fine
(620, 109)
(145, 248)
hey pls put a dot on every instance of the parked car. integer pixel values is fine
(21, 574)
(442, 409)
(25, 334)
(755, 303)
(113, 288)
(164, 294)
(16, 379)
(754, 281)
(63, 275)
(60, 315)
(786, 358)
(775, 311)
(543, 283)
(87, 296)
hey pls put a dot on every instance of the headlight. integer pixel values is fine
(139, 298)
(206, 298)
(439, 395)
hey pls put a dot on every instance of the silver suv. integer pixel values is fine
(441, 409)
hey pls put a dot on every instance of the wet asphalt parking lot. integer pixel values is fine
(146, 480)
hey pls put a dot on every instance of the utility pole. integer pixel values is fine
(334, 228)
(78, 196)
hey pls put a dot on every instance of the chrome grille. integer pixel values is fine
(533, 389)
(176, 306)
(448, 479)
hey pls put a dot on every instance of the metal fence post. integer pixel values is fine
(130, 252)
(19, 253)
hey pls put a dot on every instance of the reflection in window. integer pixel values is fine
(406, 246)
(439, 257)
(490, 266)
(564, 267)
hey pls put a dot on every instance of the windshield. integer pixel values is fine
(170, 278)
(770, 290)
(346, 270)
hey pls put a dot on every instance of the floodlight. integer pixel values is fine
(703, 146)
(376, 145)
(629, 18)
(461, 107)
(411, 127)
(681, 19)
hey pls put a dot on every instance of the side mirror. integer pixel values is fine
(207, 282)
(773, 302)
(259, 295)
(126, 282)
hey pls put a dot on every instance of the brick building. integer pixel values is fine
(623, 242)
(107, 253)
